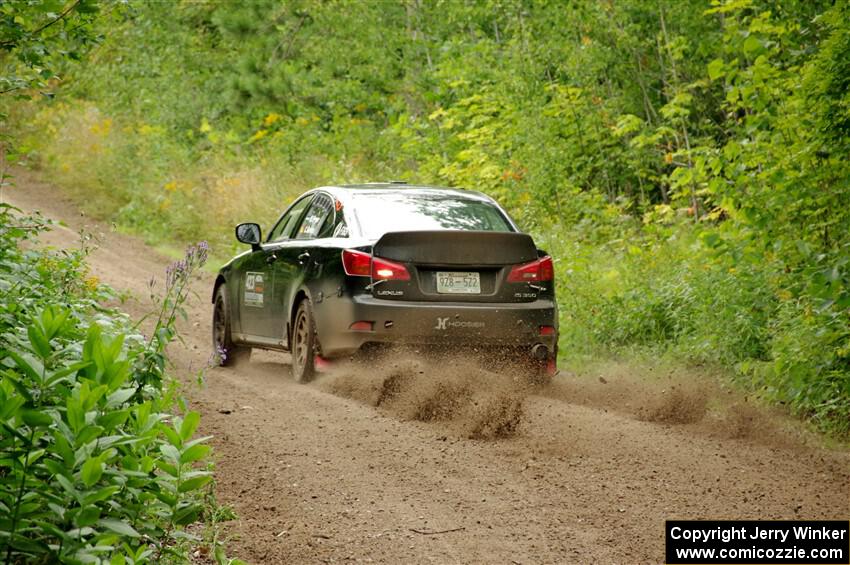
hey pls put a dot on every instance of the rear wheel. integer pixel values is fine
(304, 346)
(225, 351)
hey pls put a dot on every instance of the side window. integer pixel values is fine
(341, 229)
(283, 228)
(321, 211)
(334, 226)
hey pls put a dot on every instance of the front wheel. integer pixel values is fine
(225, 351)
(304, 347)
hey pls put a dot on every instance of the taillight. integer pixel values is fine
(356, 263)
(536, 271)
(360, 264)
(547, 269)
(387, 270)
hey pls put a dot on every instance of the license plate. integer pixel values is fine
(458, 283)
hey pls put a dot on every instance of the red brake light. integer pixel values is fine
(536, 271)
(360, 264)
(356, 263)
(388, 270)
(547, 269)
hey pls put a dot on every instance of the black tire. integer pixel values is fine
(226, 353)
(304, 345)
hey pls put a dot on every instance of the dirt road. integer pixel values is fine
(445, 463)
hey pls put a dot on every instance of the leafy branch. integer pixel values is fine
(11, 44)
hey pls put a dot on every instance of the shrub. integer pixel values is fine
(95, 465)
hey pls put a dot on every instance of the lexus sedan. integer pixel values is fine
(357, 267)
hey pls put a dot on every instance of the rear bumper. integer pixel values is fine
(441, 324)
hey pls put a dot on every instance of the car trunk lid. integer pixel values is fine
(454, 266)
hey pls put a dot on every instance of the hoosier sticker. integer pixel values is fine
(254, 289)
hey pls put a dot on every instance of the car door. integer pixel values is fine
(295, 258)
(259, 303)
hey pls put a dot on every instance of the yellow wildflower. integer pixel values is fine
(146, 130)
(271, 119)
(259, 135)
(102, 128)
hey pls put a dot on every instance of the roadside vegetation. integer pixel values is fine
(98, 456)
(99, 459)
(685, 162)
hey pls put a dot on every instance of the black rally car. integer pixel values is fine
(386, 263)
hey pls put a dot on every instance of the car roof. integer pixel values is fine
(399, 187)
(346, 193)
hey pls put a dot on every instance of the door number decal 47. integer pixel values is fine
(255, 287)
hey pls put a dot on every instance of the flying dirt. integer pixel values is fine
(411, 460)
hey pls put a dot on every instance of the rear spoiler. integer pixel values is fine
(457, 247)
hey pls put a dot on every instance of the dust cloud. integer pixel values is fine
(455, 392)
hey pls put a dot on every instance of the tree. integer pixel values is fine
(36, 36)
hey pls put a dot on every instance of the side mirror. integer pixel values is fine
(249, 233)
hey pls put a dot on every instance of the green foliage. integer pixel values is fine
(38, 36)
(828, 80)
(94, 465)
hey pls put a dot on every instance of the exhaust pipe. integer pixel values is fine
(540, 352)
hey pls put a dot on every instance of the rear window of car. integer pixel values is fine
(382, 212)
